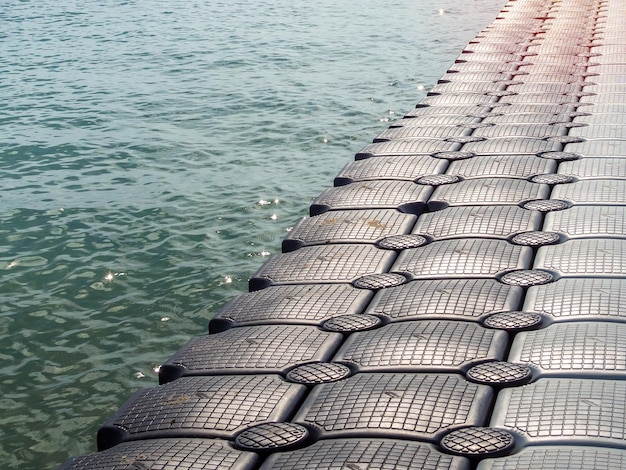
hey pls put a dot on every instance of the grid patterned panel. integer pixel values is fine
(373, 194)
(580, 299)
(538, 131)
(406, 147)
(464, 258)
(565, 410)
(477, 221)
(332, 263)
(356, 226)
(511, 145)
(589, 221)
(262, 349)
(201, 406)
(597, 167)
(398, 168)
(296, 303)
(574, 348)
(416, 405)
(589, 257)
(601, 191)
(512, 166)
(363, 454)
(488, 191)
(166, 454)
(559, 458)
(463, 299)
(414, 132)
(420, 345)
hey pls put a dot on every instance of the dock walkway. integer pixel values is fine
(456, 301)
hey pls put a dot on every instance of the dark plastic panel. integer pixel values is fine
(393, 168)
(589, 221)
(584, 258)
(506, 166)
(464, 258)
(565, 411)
(600, 191)
(363, 454)
(415, 132)
(404, 196)
(218, 406)
(322, 264)
(184, 453)
(511, 145)
(423, 346)
(406, 147)
(477, 221)
(574, 349)
(410, 406)
(559, 457)
(350, 226)
(580, 299)
(453, 299)
(304, 304)
(491, 191)
(263, 349)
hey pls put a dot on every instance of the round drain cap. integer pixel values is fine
(453, 155)
(560, 156)
(546, 205)
(500, 373)
(271, 437)
(438, 180)
(536, 238)
(379, 281)
(565, 139)
(514, 321)
(351, 323)
(527, 278)
(319, 373)
(402, 242)
(552, 179)
(464, 139)
(478, 441)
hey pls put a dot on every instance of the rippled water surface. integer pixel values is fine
(152, 155)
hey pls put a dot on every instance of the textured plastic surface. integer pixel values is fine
(487, 191)
(157, 454)
(506, 166)
(413, 406)
(350, 226)
(380, 194)
(565, 410)
(449, 346)
(589, 221)
(307, 304)
(557, 458)
(216, 406)
(577, 258)
(363, 454)
(394, 168)
(477, 221)
(462, 258)
(322, 264)
(454, 299)
(574, 349)
(254, 349)
(580, 299)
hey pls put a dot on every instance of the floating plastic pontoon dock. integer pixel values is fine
(456, 301)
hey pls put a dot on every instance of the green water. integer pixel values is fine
(153, 155)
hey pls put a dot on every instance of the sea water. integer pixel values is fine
(153, 154)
